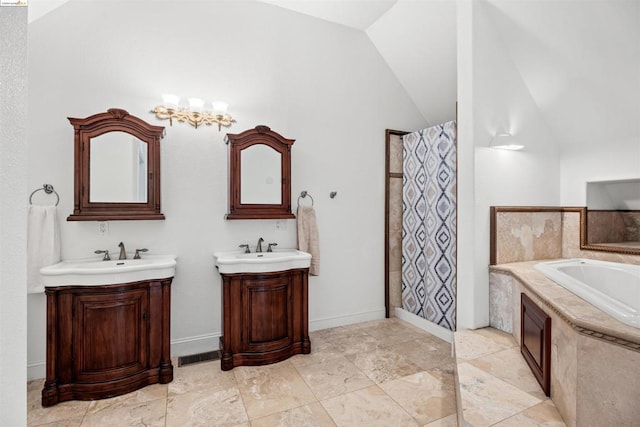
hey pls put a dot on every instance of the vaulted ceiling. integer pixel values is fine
(580, 60)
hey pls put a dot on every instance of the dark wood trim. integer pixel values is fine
(495, 210)
(114, 120)
(237, 143)
(387, 181)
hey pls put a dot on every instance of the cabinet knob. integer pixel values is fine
(144, 315)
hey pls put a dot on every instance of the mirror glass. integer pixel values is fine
(613, 214)
(261, 175)
(118, 168)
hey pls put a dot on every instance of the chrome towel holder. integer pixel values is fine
(304, 194)
(47, 188)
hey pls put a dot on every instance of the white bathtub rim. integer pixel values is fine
(617, 309)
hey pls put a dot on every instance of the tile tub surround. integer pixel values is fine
(495, 385)
(354, 376)
(595, 359)
(529, 233)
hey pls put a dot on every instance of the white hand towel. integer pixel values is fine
(43, 244)
(308, 240)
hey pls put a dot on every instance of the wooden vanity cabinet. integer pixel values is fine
(265, 317)
(104, 341)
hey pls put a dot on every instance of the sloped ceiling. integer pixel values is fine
(415, 38)
(580, 60)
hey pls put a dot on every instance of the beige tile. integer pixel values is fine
(321, 351)
(450, 421)
(486, 399)
(145, 394)
(355, 341)
(333, 377)
(37, 415)
(471, 344)
(395, 153)
(367, 407)
(308, 415)
(392, 331)
(425, 397)
(426, 352)
(607, 384)
(274, 390)
(501, 301)
(201, 376)
(207, 408)
(509, 366)
(543, 414)
(73, 422)
(384, 364)
(150, 413)
(243, 373)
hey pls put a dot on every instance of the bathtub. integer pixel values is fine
(612, 287)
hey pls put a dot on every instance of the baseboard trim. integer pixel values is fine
(348, 319)
(195, 344)
(36, 371)
(424, 324)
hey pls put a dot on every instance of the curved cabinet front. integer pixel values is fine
(104, 341)
(265, 317)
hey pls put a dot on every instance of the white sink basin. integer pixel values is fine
(261, 262)
(92, 271)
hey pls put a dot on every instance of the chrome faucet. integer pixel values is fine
(106, 254)
(271, 245)
(259, 245)
(123, 253)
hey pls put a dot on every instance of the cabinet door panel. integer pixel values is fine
(110, 336)
(267, 316)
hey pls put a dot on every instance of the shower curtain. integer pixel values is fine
(429, 224)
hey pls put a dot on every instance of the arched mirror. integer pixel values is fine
(259, 175)
(117, 168)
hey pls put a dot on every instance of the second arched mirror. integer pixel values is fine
(259, 175)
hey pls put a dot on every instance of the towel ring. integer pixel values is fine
(304, 194)
(47, 188)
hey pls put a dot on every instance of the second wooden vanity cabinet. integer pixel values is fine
(104, 341)
(265, 317)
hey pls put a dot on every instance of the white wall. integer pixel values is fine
(500, 101)
(322, 84)
(580, 61)
(13, 207)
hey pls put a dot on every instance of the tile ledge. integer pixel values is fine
(623, 335)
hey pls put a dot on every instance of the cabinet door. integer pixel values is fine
(267, 315)
(110, 334)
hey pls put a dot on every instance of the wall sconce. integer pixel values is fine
(196, 114)
(505, 141)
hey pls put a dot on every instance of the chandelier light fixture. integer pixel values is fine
(196, 114)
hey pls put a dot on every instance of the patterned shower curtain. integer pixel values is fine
(429, 224)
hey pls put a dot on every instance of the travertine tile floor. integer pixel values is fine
(497, 387)
(379, 373)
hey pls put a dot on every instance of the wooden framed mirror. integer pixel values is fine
(259, 175)
(117, 168)
(611, 220)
